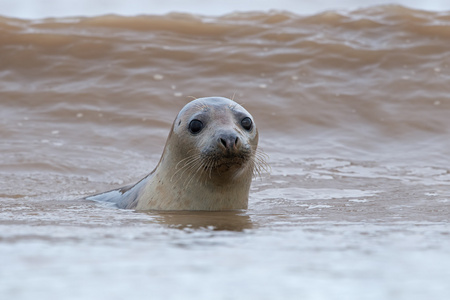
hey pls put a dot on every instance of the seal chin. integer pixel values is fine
(228, 168)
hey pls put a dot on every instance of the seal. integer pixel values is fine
(208, 162)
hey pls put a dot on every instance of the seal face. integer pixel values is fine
(207, 163)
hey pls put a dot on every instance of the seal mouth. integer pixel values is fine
(226, 162)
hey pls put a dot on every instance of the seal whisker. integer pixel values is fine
(199, 170)
(234, 94)
(210, 168)
(193, 166)
(197, 167)
(189, 164)
(186, 160)
(204, 170)
(260, 164)
(207, 169)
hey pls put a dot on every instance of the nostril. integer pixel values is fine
(236, 142)
(224, 143)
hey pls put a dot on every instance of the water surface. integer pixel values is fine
(352, 108)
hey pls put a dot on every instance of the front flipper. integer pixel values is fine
(114, 196)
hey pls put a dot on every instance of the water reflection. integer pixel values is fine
(229, 220)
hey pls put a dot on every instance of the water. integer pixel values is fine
(352, 109)
(31, 9)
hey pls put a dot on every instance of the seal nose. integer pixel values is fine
(229, 141)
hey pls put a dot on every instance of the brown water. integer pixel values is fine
(353, 110)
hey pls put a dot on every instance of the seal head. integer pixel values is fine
(207, 164)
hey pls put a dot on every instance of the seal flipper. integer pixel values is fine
(117, 197)
(124, 197)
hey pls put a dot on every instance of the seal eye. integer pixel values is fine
(195, 126)
(247, 123)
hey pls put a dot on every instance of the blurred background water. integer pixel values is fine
(31, 9)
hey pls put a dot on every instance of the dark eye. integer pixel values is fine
(246, 123)
(195, 126)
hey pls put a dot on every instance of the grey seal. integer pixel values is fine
(208, 162)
